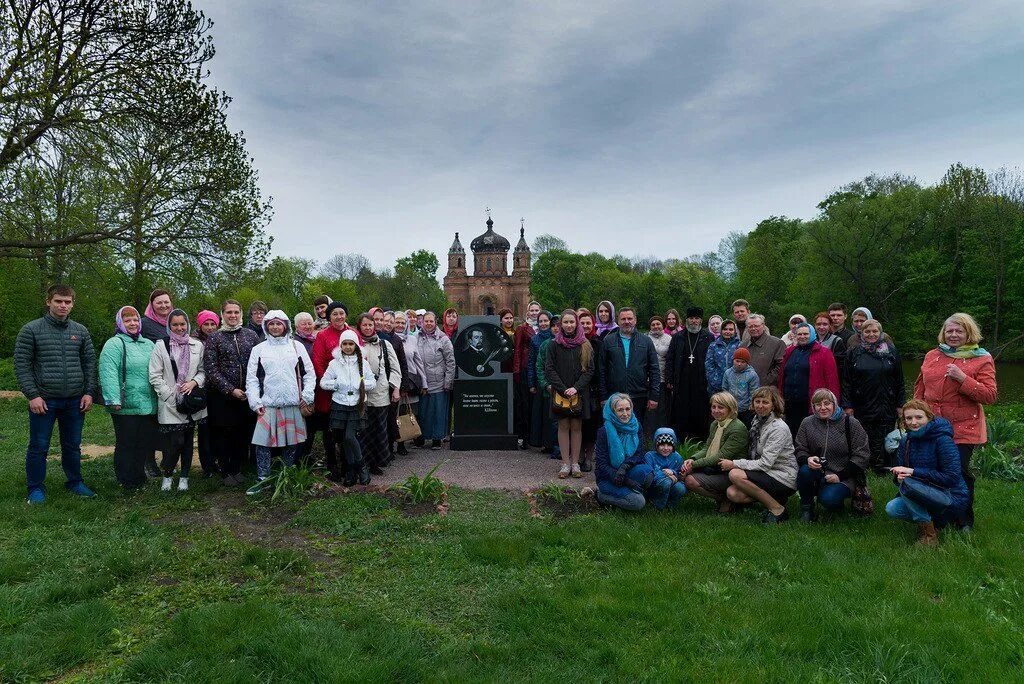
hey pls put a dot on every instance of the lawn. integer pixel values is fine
(208, 586)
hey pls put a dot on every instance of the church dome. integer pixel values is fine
(522, 246)
(490, 241)
(456, 247)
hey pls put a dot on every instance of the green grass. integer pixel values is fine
(209, 586)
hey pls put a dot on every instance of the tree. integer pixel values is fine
(347, 266)
(69, 67)
(421, 262)
(546, 242)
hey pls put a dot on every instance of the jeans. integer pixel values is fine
(903, 508)
(264, 454)
(663, 493)
(69, 419)
(134, 446)
(811, 484)
(621, 497)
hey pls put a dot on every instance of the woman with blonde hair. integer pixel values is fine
(727, 440)
(957, 379)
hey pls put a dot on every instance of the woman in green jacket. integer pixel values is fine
(727, 440)
(124, 381)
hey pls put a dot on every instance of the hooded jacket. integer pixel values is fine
(342, 377)
(935, 459)
(275, 366)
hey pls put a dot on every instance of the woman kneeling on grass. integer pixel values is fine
(768, 476)
(931, 485)
(617, 449)
(279, 380)
(833, 453)
(727, 440)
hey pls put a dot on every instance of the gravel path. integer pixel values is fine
(511, 470)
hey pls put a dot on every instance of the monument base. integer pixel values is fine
(484, 442)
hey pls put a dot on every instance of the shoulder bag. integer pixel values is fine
(194, 401)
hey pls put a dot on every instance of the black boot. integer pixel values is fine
(364, 476)
(402, 451)
(807, 513)
(350, 477)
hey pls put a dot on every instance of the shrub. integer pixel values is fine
(428, 488)
(292, 482)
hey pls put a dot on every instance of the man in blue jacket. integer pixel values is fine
(629, 364)
(55, 364)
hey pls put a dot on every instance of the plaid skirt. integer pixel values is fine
(279, 427)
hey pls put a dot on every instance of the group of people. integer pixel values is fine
(808, 412)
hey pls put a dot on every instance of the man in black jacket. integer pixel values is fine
(55, 364)
(629, 363)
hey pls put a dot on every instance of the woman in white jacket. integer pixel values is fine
(769, 475)
(279, 380)
(381, 357)
(350, 378)
(175, 370)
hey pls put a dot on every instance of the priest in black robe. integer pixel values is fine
(684, 370)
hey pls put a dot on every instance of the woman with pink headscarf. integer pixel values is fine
(568, 369)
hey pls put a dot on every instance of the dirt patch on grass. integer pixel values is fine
(89, 452)
(10, 394)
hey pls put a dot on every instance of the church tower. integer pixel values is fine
(491, 287)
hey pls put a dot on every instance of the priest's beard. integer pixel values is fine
(692, 328)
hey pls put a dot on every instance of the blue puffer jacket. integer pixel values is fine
(935, 459)
(718, 360)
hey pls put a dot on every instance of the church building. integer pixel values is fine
(490, 288)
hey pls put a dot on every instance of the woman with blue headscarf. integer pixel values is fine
(618, 448)
(806, 367)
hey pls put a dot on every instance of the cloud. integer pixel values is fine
(382, 128)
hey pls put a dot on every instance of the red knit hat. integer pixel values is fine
(743, 354)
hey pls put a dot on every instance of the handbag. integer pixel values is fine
(932, 497)
(862, 502)
(566, 407)
(408, 427)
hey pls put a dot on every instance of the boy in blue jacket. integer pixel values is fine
(661, 469)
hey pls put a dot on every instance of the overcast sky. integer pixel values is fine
(622, 127)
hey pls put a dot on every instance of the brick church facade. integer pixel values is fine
(490, 288)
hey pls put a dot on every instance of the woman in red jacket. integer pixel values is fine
(957, 380)
(806, 367)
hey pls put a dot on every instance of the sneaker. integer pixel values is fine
(436, 445)
(36, 496)
(261, 483)
(165, 484)
(81, 490)
(575, 471)
(564, 471)
(770, 518)
(182, 484)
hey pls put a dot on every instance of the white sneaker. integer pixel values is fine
(576, 472)
(165, 485)
(182, 484)
(563, 472)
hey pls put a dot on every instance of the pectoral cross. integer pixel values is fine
(691, 358)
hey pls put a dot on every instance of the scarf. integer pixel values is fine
(150, 313)
(964, 351)
(179, 346)
(224, 327)
(119, 321)
(305, 336)
(610, 325)
(754, 434)
(716, 439)
(449, 330)
(814, 335)
(623, 438)
(578, 337)
(544, 336)
(879, 349)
